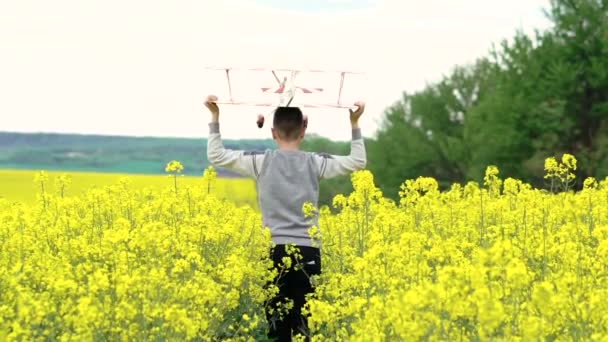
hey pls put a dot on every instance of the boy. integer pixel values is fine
(286, 179)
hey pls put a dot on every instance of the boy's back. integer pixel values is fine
(286, 181)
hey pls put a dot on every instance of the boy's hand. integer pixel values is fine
(355, 115)
(210, 103)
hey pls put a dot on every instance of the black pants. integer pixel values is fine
(294, 284)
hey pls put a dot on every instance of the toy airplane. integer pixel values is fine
(286, 90)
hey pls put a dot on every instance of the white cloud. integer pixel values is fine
(137, 67)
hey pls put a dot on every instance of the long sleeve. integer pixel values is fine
(246, 163)
(332, 165)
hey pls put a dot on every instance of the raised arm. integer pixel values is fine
(246, 163)
(331, 165)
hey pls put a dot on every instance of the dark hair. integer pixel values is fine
(289, 122)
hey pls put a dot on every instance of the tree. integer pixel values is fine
(535, 97)
(424, 134)
(581, 30)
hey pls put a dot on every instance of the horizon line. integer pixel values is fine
(316, 135)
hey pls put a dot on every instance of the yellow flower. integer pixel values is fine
(569, 161)
(174, 166)
(309, 209)
(551, 167)
(41, 177)
(590, 183)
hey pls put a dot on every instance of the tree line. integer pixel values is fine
(531, 97)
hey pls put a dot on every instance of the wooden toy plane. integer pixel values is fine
(286, 89)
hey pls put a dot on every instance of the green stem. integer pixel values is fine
(175, 182)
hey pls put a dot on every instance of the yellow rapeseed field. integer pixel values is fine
(17, 185)
(494, 261)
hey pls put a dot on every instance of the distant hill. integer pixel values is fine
(146, 155)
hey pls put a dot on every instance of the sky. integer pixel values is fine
(142, 67)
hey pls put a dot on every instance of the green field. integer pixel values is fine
(95, 153)
(19, 185)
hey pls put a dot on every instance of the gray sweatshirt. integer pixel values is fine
(285, 180)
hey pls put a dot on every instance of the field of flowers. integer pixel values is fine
(493, 261)
(17, 185)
